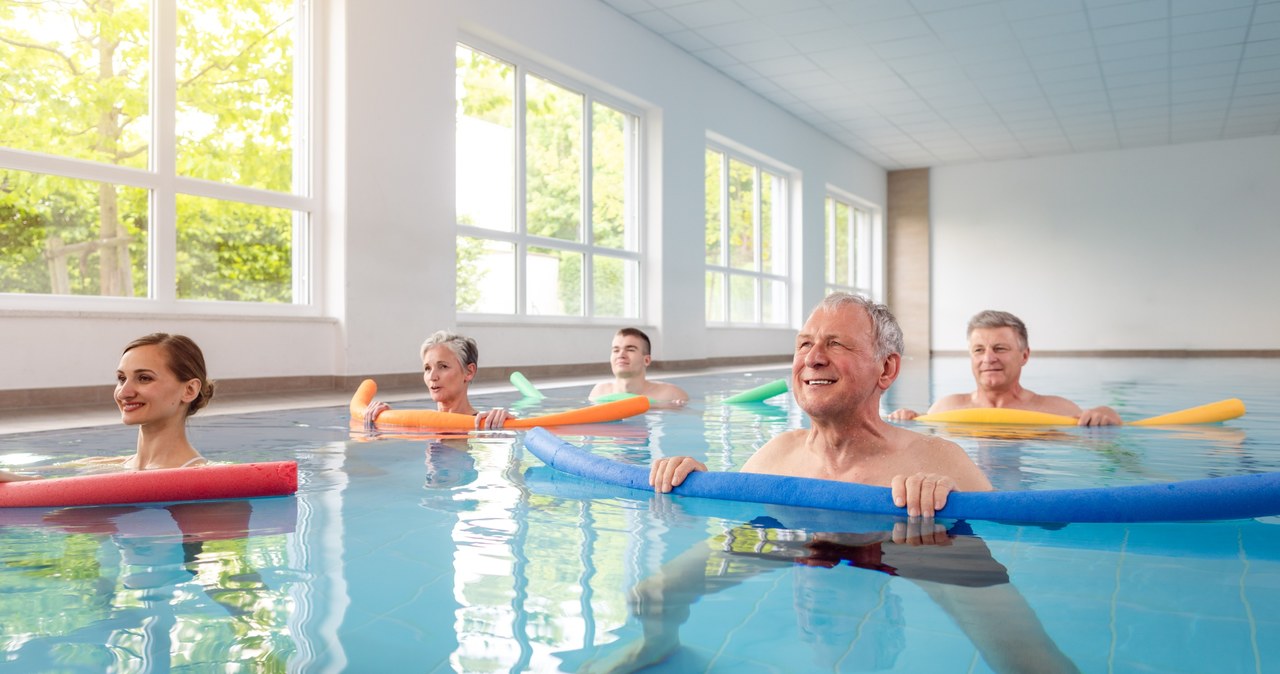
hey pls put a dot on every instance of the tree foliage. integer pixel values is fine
(555, 161)
(78, 76)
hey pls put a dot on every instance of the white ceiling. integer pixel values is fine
(912, 83)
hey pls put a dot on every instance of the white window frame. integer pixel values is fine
(866, 258)
(782, 192)
(523, 241)
(164, 185)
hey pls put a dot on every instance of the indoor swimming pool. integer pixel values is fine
(404, 552)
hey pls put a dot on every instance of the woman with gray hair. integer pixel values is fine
(449, 363)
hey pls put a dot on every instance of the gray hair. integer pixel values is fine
(886, 333)
(998, 319)
(463, 347)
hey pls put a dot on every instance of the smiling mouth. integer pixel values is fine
(819, 382)
(129, 407)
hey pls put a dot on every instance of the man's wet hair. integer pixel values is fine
(887, 334)
(999, 319)
(637, 332)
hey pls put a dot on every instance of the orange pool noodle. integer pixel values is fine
(611, 411)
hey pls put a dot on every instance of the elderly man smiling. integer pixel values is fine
(847, 355)
(997, 352)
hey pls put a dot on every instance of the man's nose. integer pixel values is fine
(816, 356)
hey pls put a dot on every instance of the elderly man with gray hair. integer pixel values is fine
(847, 355)
(997, 352)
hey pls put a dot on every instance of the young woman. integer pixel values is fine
(161, 380)
(449, 363)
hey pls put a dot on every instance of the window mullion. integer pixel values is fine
(852, 237)
(521, 185)
(588, 225)
(757, 243)
(164, 163)
(726, 297)
(830, 216)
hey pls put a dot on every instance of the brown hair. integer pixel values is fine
(184, 359)
(637, 332)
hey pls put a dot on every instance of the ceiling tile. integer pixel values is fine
(1132, 32)
(707, 13)
(1129, 12)
(1197, 23)
(923, 82)
(1210, 38)
(761, 50)
(1181, 7)
(658, 21)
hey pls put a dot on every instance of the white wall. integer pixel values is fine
(1148, 249)
(386, 261)
(682, 100)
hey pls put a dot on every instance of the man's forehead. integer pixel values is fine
(850, 319)
(1003, 334)
(627, 340)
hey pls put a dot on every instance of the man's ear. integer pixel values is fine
(889, 371)
(1026, 355)
(647, 359)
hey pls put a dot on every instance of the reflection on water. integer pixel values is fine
(462, 553)
(146, 588)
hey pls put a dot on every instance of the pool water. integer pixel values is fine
(463, 553)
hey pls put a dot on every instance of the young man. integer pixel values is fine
(997, 352)
(630, 360)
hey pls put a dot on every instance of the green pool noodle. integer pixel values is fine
(524, 386)
(759, 393)
(614, 396)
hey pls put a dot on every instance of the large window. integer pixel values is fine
(747, 228)
(849, 247)
(155, 151)
(546, 195)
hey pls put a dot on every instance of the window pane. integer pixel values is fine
(235, 98)
(842, 252)
(742, 299)
(828, 223)
(774, 299)
(485, 141)
(69, 93)
(773, 244)
(615, 286)
(233, 251)
(714, 169)
(742, 205)
(553, 160)
(553, 284)
(63, 236)
(486, 273)
(862, 248)
(610, 211)
(715, 297)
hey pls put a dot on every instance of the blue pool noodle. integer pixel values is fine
(1235, 497)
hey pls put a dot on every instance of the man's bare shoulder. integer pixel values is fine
(772, 457)
(1055, 405)
(660, 390)
(939, 455)
(604, 388)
